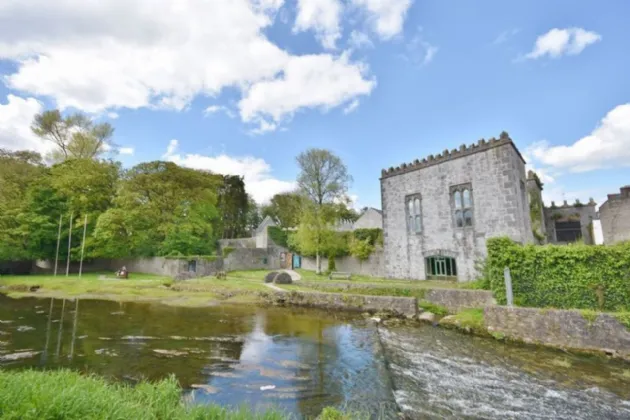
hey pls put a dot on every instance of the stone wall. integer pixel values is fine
(456, 299)
(536, 206)
(371, 219)
(559, 328)
(585, 213)
(495, 172)
(403, 306)
(238, 243)
(15, 267)
(615, 217)
(253, 259)
(374, 266)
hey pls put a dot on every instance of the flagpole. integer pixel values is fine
(83, 246)
(58, 243)
(69, 246)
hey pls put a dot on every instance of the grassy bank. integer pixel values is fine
(68, 395)
(139, 287)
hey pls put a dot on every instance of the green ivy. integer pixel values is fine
(577, 276)
(374, 236)
(278, 236)
(227, 251)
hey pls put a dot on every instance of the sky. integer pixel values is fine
(244, 86)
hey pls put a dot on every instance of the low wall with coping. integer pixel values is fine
(374, 266)
(560, 328)
(457, 299)
(402, 306)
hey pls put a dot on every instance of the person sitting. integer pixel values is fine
(122, 273)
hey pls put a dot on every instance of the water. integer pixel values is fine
(440, 373)
(302, 361)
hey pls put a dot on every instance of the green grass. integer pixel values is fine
(67, 395)
(432, 307)
(471, 318)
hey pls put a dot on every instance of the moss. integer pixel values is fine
(472, 319)
(563, 363)
(624, 318)
(227, 251)
(498, 335)
(432, 307)
(589, 315)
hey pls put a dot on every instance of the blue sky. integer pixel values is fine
(244, 86)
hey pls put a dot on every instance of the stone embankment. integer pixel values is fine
(399, 306)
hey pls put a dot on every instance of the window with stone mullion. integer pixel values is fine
(414, 214)
(463, 206)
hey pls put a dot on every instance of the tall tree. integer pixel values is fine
(254, 214)
(161, 209)
(324, 180)
(233, 206)
(285, 209)
(76, 136)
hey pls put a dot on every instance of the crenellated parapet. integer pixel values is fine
(463, 150)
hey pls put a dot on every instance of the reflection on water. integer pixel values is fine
(300, 361)
(439, 373)
(303, 361)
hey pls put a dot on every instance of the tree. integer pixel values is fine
(161, 209)
(324, 181)
(254, 214)
(76, 136)
(285, 209)
(233, 206)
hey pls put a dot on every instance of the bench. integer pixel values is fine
(339, 275)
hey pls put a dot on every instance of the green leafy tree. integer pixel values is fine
(285, 209)
(161, 209)
(254, 214)
(324, 181)
(233, 205)
(76, 136)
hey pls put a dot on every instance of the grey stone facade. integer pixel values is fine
(370, 219)
(494, 173)
(615, 217)
(582, 213)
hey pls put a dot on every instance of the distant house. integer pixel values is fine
(615, 217)
(370, 219)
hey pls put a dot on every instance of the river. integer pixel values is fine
(304, 360)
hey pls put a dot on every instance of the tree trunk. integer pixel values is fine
(318, 264)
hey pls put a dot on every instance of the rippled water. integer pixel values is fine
(439, 373)
(302, 361)
(296, 360)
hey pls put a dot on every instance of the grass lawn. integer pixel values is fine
(196, 292)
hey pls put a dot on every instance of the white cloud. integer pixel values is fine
(559, 42)
(388, 16)
(16, 117)
(323, 17)
(100, 55)
(352, 106)
(257, 174)
(213, 109)
(112, 115)
(126, 150)
(308, 81)
(419, 51)
(607, 146)
(359, 40)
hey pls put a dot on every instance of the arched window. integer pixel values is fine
(441, 267)
(462, 205)
(414, 214)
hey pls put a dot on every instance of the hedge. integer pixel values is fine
(561, 276)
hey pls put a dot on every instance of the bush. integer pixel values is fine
(566, 277)
(278, 236)
(373, 236)
(332, 266)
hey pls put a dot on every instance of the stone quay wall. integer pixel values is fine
(457, 299)
(560, 328)
(402, 306)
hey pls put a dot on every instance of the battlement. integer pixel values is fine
(624, 192)
(481, 146)
(577, 204)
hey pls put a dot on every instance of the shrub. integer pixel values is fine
(373, 236)
(278, 236)
(332, 266)
(577, 276)
(227, 251)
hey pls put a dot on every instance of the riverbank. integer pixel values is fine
(69, 395)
